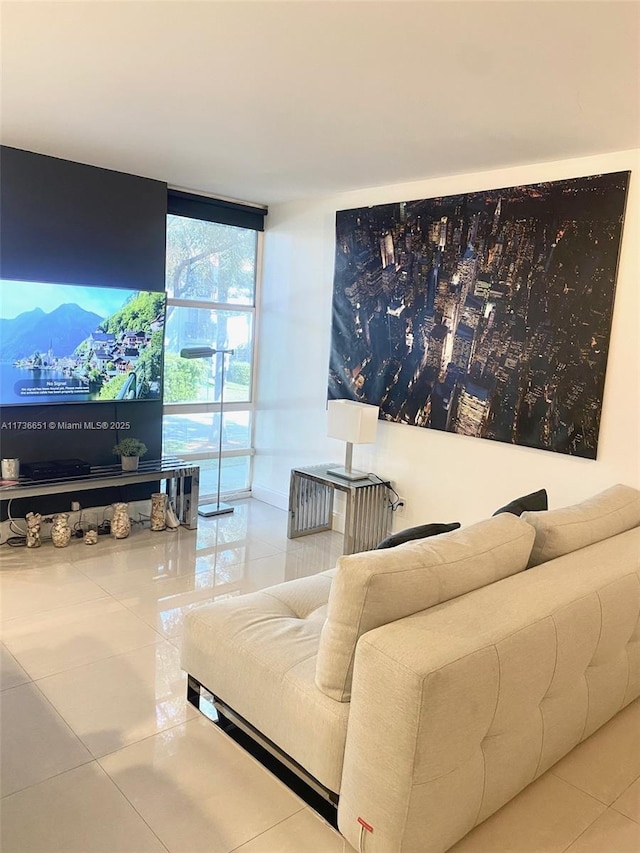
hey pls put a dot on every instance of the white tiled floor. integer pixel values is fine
(101, 752)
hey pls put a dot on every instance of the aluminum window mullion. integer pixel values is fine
(211, 306)
(206, 408)
(213, 454)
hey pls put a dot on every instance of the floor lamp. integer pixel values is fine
(207, 510)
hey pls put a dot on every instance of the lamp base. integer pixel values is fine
(209, 510)
(345, 474)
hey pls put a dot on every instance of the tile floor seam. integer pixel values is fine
(578, 788)
(623, 814)
(18, 686)
(64, 720)
(139, 741)
(622, 793)
(149, 827)
(148, 624)
(4, 622)
(90, 760)
(586, 829)
(278, 823)
(99, 660)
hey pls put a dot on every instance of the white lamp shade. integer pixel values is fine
(351, 421)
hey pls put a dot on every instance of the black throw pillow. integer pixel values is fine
(535, 502)
(419, 532)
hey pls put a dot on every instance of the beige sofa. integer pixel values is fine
(423, 686)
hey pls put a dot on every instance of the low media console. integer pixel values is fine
(182, 484)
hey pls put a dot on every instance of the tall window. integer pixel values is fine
(211, 289)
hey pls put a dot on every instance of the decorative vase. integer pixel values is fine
(91, 534)
(120, 523)
(158, 511)
(60, 530)
(129, 463)
(33, 529)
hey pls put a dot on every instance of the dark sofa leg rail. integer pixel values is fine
(323, 801)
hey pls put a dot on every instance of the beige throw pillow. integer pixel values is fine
(377, 587)
(560, 531)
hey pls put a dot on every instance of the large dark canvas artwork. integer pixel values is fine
(486, 314)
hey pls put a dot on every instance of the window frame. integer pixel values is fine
(210, 207)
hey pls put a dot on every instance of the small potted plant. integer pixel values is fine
(130, 450)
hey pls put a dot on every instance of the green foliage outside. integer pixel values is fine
(210, 261)
(183, 378)
(239, 372)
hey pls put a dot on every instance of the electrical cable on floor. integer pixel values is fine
(20, 539)
(12, 522)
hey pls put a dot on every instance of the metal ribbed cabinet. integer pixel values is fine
(367, 507)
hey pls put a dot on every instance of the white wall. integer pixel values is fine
(443, 476)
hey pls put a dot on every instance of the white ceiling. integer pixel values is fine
(270, 101)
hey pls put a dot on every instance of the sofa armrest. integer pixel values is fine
(413, 766)
(456, 709)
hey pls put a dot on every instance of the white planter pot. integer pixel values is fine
(129, 463)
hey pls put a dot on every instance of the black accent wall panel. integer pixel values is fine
(76, 224)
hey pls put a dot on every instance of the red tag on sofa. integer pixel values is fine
(367, 826)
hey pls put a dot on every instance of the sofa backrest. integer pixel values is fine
(377, 587)
(561, 531)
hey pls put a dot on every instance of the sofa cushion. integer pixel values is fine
(569, 528)
(257, 653)
(534, 502)
(377, 587)
(422, 531)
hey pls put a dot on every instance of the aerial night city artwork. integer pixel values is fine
(486, 314)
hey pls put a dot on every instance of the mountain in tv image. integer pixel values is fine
(62, 330)
(71, 354)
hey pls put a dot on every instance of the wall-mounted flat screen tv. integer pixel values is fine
(68, 343)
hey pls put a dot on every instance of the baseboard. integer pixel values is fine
(270, 496)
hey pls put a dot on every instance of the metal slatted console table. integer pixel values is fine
(367, 513)
(182, 484)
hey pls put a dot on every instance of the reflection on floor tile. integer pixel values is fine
(58, 640)
(43, 588)
(196, 789)
(122, 699)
